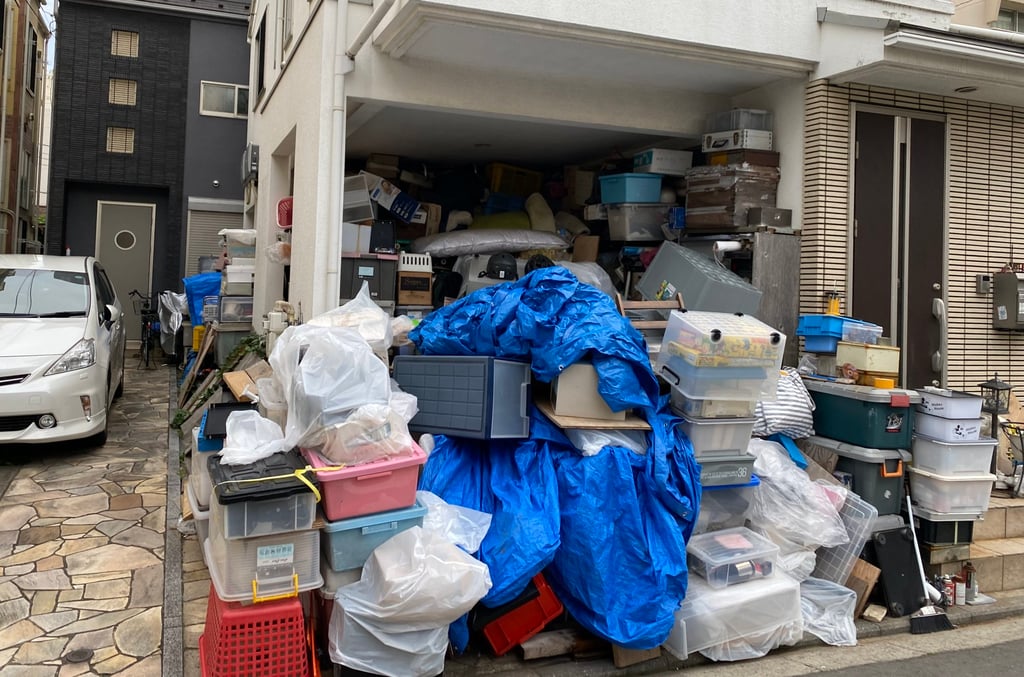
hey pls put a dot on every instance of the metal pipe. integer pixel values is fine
(371, 24)
(988, 33)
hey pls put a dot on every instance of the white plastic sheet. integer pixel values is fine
(828, 610)
(370, 433)
(464, 527)
(757, 645)
(590, 442)
(394, 620)
(172, 306)
(363, 315)
(250, 437)
(326, 373)
(790, 504)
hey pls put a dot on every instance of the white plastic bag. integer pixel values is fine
(756, 645)
(250, 437)
(590, 442)
(402, 403)
(279, 252)
(363, 315)
(789, 503)
(371, 433)
(828, 611)
(326, 373)
(464, 527)
(395, 650)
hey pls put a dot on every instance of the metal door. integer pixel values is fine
(899, 237)
(124, 245)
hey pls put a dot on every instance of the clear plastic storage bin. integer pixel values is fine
(235, 309)
(685, 406)
(246, 519)
(629, 222)
(962, 457)
(951, 493)
(201, 519)
(251, 569)
(710, 617)
(724, 507)
(947, 429)
(860, 519)
(711, 435)
(731, 556)
(740, 118)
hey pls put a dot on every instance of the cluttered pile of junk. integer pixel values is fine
(541, 469)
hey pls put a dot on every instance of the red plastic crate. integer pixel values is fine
(522, 623)
(268, 638)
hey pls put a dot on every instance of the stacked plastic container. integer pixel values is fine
(719, 365)
(262, 544)
(950, 480)
(823, 334)
(208, 440)
(735, 593)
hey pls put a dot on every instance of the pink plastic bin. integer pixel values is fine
(387, 484)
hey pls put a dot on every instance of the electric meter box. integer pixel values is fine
(1008, 301)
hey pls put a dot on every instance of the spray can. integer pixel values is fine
(970, 582)
(961, 589)
(949, 589)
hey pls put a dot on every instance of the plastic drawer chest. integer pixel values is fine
(467, 396)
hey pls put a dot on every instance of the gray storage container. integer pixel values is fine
(704, 284)
(378, 273)
(721, 470)
(470, 396)
(877, 473)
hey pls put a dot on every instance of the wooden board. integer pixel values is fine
(623, 657)
(241, 385)
(261, 369)
(209, 338)
(632, 421)
(862, 581)
(944, 554)
(560, 643)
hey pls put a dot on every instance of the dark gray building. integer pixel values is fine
(150, 105)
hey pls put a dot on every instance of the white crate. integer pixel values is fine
(414, 263)
(963, 457)
(710, 435)
(752, 139)
(949, 403)
(947, 429)
(278, 564)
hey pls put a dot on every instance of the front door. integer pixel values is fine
(898, 237)
(124, 245)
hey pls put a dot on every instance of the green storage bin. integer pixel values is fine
(874, 418)
(877, 473)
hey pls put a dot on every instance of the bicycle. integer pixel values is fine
(143, 306)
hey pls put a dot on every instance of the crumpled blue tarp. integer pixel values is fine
(196, 288)
(610, 529)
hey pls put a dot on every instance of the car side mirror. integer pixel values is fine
(111, 313)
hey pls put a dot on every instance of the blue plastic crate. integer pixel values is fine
(821, 344)
(205, 443)
(822, 333)
(498, 203)
(349, 542)
(633, 188)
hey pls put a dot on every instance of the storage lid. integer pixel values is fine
(715, 458)
(933, 516)
(895, 397)
(981, 441)
(727, 546)
(859, 453)
(945, 392)
(237, 483)
(412, 512)
(215, 420)
(755, 481)
(981, 477)
(197, 514)
(717, 421)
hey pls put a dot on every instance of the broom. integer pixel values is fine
(928, 618)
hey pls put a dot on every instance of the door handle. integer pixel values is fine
(939, 309)
(937, 361)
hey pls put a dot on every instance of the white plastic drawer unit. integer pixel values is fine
(467, 396)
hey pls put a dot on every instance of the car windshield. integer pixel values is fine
(30, 292)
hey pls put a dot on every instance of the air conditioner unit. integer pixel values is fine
(250, 163)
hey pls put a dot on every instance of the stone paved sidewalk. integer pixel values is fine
(82, 547)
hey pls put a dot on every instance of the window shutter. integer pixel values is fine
(202, 239)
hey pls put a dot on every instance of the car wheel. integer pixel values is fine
(120, 384)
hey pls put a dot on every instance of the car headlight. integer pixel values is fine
(80, 356)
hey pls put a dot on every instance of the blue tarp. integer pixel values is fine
(196, 288)
(610, 529)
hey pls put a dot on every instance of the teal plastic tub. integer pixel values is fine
(349, 542)
(875, 418)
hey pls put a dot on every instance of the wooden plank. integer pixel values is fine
(261, 369)
(632, 421)
(944, 554)
(241, 385)
(208, 340)
(562, 642)
(623, 657)
(862, 581)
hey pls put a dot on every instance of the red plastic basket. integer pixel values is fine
(256, 639)
(525, 621)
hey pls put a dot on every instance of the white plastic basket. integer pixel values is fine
(414, 263)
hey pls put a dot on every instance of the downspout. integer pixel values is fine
(344, 62)
(988, 34)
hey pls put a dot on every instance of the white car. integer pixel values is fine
(61, 348)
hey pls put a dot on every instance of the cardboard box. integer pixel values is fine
(584, 248)
(426, 221)
(574, 393)
(415, 288)
(383, 165)
(739, 156)
(663, 161)
(579, 185)
(755, 139)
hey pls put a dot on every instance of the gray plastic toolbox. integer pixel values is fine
(478, 397)
(704, 284)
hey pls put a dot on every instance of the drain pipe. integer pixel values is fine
(988, 33)
(343, 64)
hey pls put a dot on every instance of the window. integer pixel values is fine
(1009, 20)
(124, 43)
(120, 140)
(122, 92)
(286, 25)
(32, 60)
(261, 54)
(224, 100)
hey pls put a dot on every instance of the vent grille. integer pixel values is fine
(13, 424)
(12, 380)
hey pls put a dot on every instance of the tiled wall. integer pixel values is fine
(985, 214)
